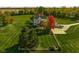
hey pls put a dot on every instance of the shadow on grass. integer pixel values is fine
(14, 49)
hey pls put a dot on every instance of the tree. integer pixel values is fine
(27, 39)
(40, 9)
(6, 18)
(20, 12)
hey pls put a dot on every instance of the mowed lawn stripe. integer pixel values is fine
(7, 41)
(43, 42)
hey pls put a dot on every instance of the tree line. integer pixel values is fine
(63, 12)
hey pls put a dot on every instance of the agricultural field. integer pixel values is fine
(9, 36)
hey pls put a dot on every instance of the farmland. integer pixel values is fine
(9, 37)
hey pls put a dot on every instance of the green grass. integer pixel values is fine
(47, 41)
(20, 20)
(70, 41)
(64, 21)
(10, 35)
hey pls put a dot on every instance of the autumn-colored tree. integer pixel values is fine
(6, 18)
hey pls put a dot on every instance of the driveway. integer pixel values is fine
(62, 30)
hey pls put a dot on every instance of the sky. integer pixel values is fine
(36, 3)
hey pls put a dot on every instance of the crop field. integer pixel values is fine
(9, 37)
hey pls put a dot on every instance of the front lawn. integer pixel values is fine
(10, 35)
(64, 21)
